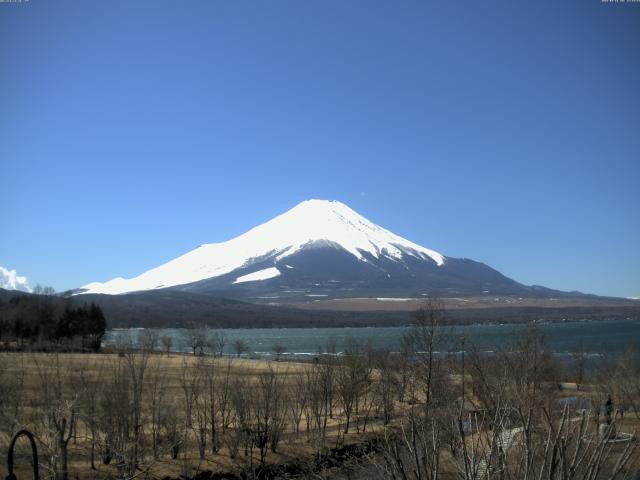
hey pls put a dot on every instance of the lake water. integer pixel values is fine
(597, 337)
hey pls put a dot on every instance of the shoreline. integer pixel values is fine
(385, 325)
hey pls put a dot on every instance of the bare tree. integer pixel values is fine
(122, 407)
(297, 394)
(241, 403)
(318, 400)
(148, 340)
(268, 412)
(279, 350)
(353, 378)
(386, 388)
(403, 364)
(329, 366)
(224, 395)
(240, 347)
(619, 377)
(114, 410)
(202, 405)
(190, 385)
(167, 343)
(428, 336)
(90, 388)
(159, 408)
(196, 337)
(136, 363)
(218, 342)
(58, 409)
(515, 430)
(580, 357)
(416, 444)
(213, 384)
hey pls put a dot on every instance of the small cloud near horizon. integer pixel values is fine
(10, 280)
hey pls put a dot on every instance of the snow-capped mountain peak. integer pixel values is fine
(331, 221)
(308, 224)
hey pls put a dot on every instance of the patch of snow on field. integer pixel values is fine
(383, 299)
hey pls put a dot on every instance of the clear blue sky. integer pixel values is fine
(507, 132)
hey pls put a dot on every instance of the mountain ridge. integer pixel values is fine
(320, 249)
(306, 225)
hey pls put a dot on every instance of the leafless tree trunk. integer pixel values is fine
(240, 347)
(90, 392)
(202, 405)
(354, 376)
(167, 343)
(59, 409)
(218, 342)
(136, 362)
(158, 407)
(268, 412)
(196, 337)
(318, 394)
(297, 394)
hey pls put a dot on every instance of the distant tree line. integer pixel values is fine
(165, 308)
(43, 321)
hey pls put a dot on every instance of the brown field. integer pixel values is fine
(460, 303)
(33, 367)
(154, 415)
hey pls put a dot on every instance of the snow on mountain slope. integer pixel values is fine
(307, 223)
(265, 274)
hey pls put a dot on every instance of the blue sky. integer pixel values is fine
(507, 132)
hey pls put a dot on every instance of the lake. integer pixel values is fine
(597, 337)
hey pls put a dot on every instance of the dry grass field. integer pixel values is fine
(137, 413)
(454, 303)
(73, 381)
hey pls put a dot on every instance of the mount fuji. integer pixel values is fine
(319, 250)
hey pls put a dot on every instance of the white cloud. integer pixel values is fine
(10, 280)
